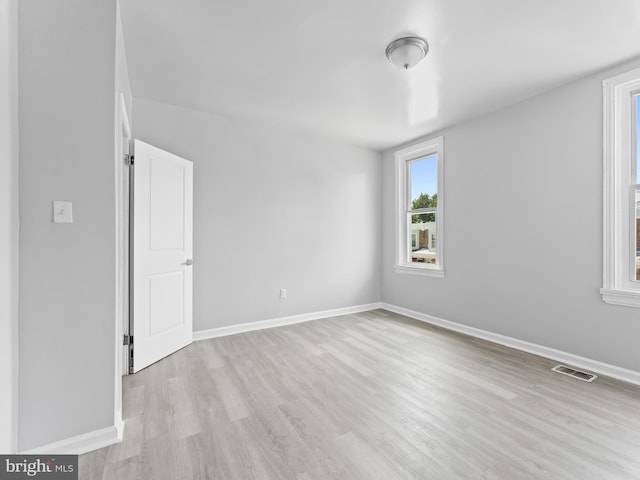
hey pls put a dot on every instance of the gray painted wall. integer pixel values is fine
(66, 106)
(273, 209)
(122, 70)
(523, 191)
(9, 222)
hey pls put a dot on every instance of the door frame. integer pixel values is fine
(9, 218)
(122, 142)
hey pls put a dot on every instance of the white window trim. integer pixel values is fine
(402, 237)
(618, 143)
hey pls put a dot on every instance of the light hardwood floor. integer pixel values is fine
(368, 396)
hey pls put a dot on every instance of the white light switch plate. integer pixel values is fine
(62, 212)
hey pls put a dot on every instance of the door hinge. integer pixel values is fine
(128, 159)
(127, 340)
(131, 357)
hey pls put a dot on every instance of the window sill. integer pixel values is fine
(621, 297)
(415, 270)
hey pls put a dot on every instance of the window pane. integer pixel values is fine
(637, 249)
(423, 238)
(424, 182)
(636, 175)
(637, 118)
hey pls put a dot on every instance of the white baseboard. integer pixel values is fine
(279, 322)
(82, 443)
(630, 376)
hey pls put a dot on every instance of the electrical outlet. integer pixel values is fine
(62, 212)
(283, 293)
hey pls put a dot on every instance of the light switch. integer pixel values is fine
(62, 212)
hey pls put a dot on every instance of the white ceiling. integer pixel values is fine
(319, 65)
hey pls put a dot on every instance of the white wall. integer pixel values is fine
(67, 82)
(536, 162)
(273, 209)
(8, 225)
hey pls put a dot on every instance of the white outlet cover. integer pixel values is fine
(62, 212)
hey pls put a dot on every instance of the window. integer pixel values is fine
(419, 207)
(415, 245)
(621, 280)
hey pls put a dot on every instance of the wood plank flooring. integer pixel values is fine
(368, 396)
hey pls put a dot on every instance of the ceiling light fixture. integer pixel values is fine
(406, 52)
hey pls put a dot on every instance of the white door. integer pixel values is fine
(162, 254)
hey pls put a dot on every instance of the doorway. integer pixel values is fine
(162, 215)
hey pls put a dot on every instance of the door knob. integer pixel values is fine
(189, 262)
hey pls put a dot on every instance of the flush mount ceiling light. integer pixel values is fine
(406, 52)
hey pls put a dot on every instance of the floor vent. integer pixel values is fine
(572, 372)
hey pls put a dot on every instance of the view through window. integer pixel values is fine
(636, 188)
(423, 198)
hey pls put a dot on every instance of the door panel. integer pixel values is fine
(166, 208)
(166, 302)
(162, 244)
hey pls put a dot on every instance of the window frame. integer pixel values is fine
(619, 284)
(403, 158)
